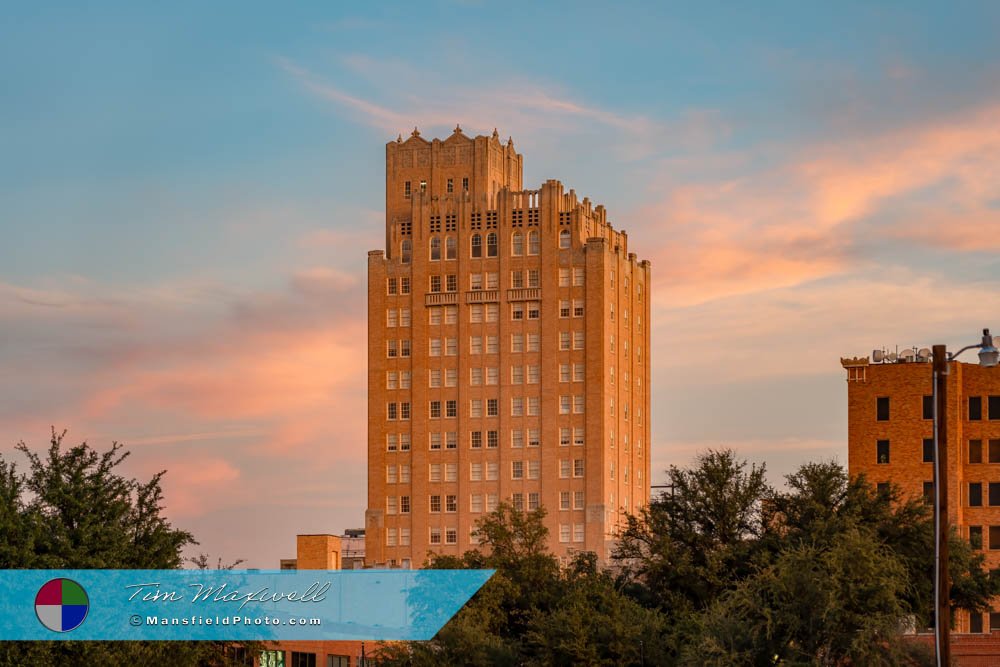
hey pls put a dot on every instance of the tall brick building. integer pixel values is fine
(508, 356)
(890, 439)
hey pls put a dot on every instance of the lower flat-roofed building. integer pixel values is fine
(891, 441)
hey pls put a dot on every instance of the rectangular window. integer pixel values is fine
(564, 405)
(578, 532)
(434, 347)
(451, 440)
(564, 533)
(577, 467)
(516, 279)
(451, 346)
(563, 309)
(475, 281)
(929, 492)
(564, 373)
(492, 407)
(391, 475)
(517, 500)
(534, 342)
(391, 442)
(406, 189)
(578, 373)
(475, 376)
(391, 285)
(390, 317)
(391, 349)
(928, 450)
(517, 343)
(578, 404)
(578, 437)
(882, 408)
(435, 283)
(476, 440)
(564, 468)
(517, 311)
(563, 277)
(975, 451)
(435, 504)
(451, 503)
(391, 379)
(928, 407)
(577, 308)
(492, 500)
(492, 439)
(994, 494)
(404, 474)
(404, 442)
(435, 442)
(434, 316)
(534, 404)
(994, 404)
(465, 184)
(578, 275)
(434, 472)
(564, 500)
(492, 344)
(476, 503)
(517, 438)
(534, 310)
(882, 451)
(533, 278)
(534, 437)
(404, 285)
(434, 378)
(404, 380)
(450, 314)
(404, 504)
(450, 377)
(435, 536)
(517, 407)
(392, 411)
(534, 469)
(534, 500)
(435, 409)
(578, 340)
(976, 622)
(475, 472)
(975, 408)
(517, 374)
(564, 437)
(994, 538)
(492, 312)
(578, 500)
(564, 338)
(492, 472)
(476, 345)
(404, 348)
(451, 409)
(994, 451)
(492, 280)
(404, 317)
(451, 472)
(517, 469)
(391, 505)
(492, 375)
(534, 374)
(975, 494)
(390, 537)
(476, 313)
(451, 536)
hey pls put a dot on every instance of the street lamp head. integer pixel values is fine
(988, 353)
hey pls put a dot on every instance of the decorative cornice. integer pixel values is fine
(853, 362)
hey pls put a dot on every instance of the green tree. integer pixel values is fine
(73, 509)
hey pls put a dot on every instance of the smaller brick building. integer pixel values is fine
(890, 439)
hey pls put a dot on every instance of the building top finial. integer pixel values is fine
(496, 135)
(510, 141)
(458, 128)
(399, 139)
(416, 132)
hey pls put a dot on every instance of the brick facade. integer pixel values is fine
(901, 458)
(526, 298)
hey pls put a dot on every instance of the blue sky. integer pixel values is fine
(187, 192)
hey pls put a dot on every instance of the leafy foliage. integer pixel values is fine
(73, 509)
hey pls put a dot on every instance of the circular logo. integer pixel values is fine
(61, 605)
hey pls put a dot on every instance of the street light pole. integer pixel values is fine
(942, 620)
(988, 357)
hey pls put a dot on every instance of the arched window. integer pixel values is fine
(564, 239)
(491, 244)
(477, 245)
(534, 243)
(517, 244)
(406, 249)
(435, 248)
(451, 248)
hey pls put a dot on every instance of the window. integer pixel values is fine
(435, 248)
(564, 239)
(534, 342)
(391, 475)
(534, 404)
(491, 502)
(492, 280)
(578, 276)
(975, 451)
(882, 451)
(435, 438)
(882, 488)
(578, 532)
(406, 251)
(492, 312)
(578, 373)
(564, 500)
(450, 187)
(577, 467)
(517, 500)
(434, 378)
(404, 474)
(994, 621)
(451, 440)
(517, 469)
(392, 411)
(451, 346)
(533, 278)
(578, 500)
(476, 502)
(451, 284)
(492, 344)
(564, 340)
(272, 659)
(564, 529)
(451, 407)
(517, 343)
(476, 313)
(404, 442)
(564, 468)
(465, 184)
(476, 440)
(392, 348)
(976, 621)
(517, 407)
(516, 279)
(404, 504)
(928, 407)
(492, 473)
(928, 450)
(450, 536)
(563, 277)
(975, 408)
(390, 317)
(994, 494)
(975, 494)
(451, 503)
(476, 376)
(492, 439)
(929, 492)
(564, 405)
(477, 247)
(533, 501)
(534, 310)
(423, 186)
(534, 243)
(564, 309)
(391, 442)
(435, 505)
(492, 376)
(564, 437)
(406, 189)
(994, 537)
(882, 408)
(391, 381)
(476, 345)
(451, 248)
(564, 373)
(475, 281)
(435, 536)
(994, 451)
(517, 311)
(577, 308)
(578, 404)
(994, 404)
(578, 437)
(391, 285)
(491, 244)
(976, 537)
(435, 409)
(516, 244)
(391, 504)
(493, 407)
(534, 471)
(390, 537)
(434, 346)
(475, 472)
(534, 437)
(404, 348)
(517, 439)
(577, 340)
(434, 472)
